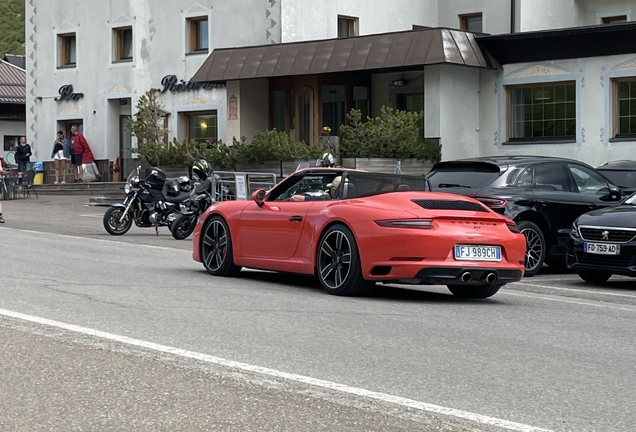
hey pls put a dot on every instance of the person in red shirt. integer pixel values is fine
(79, 151)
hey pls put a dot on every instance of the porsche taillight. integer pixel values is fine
(492, 201)
(407, 223)
(513, 227)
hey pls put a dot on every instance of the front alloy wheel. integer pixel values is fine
(183, 226)
(216, 248)
(114, 223)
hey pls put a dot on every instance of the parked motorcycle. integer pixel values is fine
(186, 221)
(145, 203)
(205, 193)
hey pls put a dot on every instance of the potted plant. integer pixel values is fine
(274, 151)
(389, 143)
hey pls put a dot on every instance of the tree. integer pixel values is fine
(148, 125)
(12, 22)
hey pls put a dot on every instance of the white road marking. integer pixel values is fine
(92, 215)
(554, 299)
(383, 397)
(40, 233)
(575, 290)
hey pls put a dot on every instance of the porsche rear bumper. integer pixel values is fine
(467, 276)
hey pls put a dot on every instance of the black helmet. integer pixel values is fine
(201, 168)
(327, 160)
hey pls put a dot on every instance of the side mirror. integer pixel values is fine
(611, 193)
(259, 197)
(616, 194)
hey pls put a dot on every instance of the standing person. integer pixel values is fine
(61, 152)
(23, 156)
(78, 143)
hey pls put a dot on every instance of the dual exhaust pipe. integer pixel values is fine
(489, 277)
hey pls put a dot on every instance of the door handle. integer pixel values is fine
(296, 219)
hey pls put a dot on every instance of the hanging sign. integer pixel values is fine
(66, 94)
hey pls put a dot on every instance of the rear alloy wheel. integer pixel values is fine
(535, 247)
(594, 277)
(474, 292)
(216, 249)
(338, 265)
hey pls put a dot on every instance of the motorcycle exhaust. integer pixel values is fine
(466, 277)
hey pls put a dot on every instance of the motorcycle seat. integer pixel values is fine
(178, 198)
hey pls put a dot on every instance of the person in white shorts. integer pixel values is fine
(61, 152)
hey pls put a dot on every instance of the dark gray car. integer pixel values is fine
(622, 173)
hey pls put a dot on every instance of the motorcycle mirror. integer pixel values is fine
(259, 197)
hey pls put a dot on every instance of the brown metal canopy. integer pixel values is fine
(381, 51)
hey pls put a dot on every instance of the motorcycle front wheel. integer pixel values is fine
(183, 226)
(112, 224)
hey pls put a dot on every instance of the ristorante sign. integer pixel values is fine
(172, 83)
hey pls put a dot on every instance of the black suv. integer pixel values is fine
(543, 195)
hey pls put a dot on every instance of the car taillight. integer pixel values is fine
(513, 227)
(492, 202)
(406, 223)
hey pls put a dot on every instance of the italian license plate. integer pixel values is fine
(477, 253)
(602, 248)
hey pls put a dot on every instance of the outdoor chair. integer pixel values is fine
(27, 184)
(9, 185)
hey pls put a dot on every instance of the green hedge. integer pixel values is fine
(266, 146)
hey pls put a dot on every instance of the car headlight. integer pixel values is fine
(127, 188)
(574, 231)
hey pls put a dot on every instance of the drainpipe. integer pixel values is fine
(513, 12)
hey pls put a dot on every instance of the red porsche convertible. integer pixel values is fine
(352, 229)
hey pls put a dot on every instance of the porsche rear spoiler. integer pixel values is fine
(472, 165)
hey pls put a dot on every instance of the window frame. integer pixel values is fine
(352, 26)
(591, 173)
(614, 19)
(463, 21)
(509, 120)
(187, 115)
(565, 172)
(615, 114)
(193, 35)
(8, 137)
(119, 44)
(63, 41)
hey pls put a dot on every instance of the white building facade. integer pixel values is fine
(89, 66)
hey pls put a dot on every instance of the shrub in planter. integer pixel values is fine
(273, 145)
(393, 134)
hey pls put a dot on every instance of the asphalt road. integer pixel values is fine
(549, 352)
